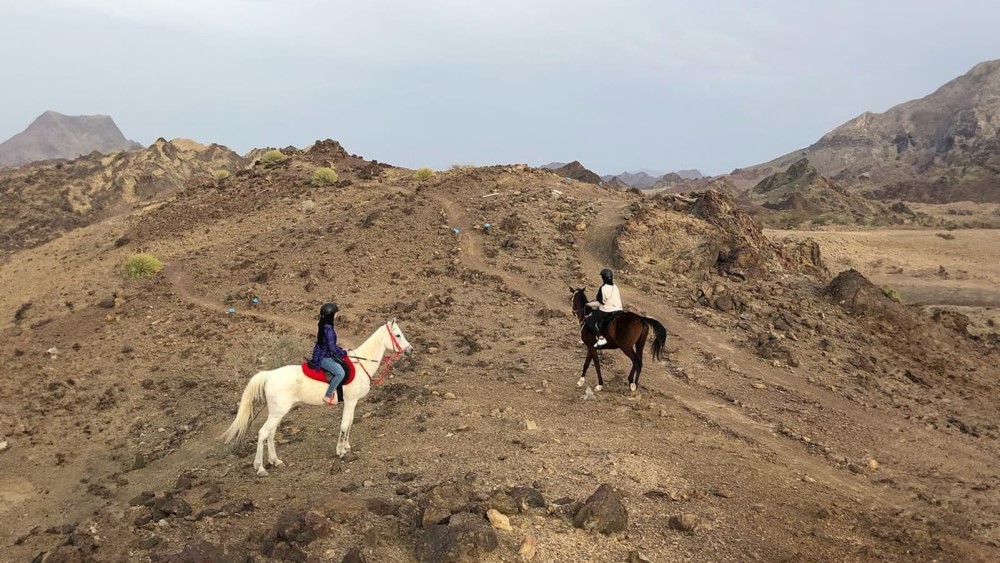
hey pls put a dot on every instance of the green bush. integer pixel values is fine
(220, 174)
(272, 156)
(325, 177)
(142, 266)
(892, 294)
(423, 174)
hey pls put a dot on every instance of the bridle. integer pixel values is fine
(398, 351)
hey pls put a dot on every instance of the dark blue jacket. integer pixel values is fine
(326, 345)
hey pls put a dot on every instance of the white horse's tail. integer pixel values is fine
(254, 391)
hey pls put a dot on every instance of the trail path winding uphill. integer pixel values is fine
(728, 400)
(174, 272)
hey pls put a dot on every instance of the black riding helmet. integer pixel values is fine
(608, 276)
(328, 310)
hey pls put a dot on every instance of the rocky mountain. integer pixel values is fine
(645, 179)
(56, 136)
(41, 201)
(943, 147)
(577, 171)
(692, 174)
(801, 193)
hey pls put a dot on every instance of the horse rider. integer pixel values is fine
(326, 354)
(608, 301)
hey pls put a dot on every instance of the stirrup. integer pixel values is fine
(600, 342)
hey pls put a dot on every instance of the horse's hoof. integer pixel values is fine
(580, 382)
(633, 387)
(277, 463)
(598, 387)
(262, 472)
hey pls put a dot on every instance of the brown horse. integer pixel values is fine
(627, 332)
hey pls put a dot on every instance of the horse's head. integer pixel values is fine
(579, 302)
(396, 342)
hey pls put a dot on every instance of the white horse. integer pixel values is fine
(285, 386)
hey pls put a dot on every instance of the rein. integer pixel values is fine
(387, 362)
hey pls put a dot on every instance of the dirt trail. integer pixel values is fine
(699, 399)
(174, 273)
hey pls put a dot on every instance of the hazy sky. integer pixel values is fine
(616, 84)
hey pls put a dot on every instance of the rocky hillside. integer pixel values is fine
(792, 419)
(41, 201)
(645, 180)
(801, 194)
(56, 136)
(576, 171)
(943, 147)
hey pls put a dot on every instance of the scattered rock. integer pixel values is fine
(349, 457)
(355, 555)
(4, 446)
(449, 395)
(139, 462)
(443, 501)
(300, 526)
(212, 495)
(636, 556)
(238, 506)
(603, 512)
(183, 483)
(529, 424)
(175, 506)
(498, 520)
(526, 552)
(381, 507)
(465, 538)
(149, 543)
(199, 551)
(873, 465)
(684, 522)
(527, 497)
(142, 498)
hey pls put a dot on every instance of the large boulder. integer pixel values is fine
(603, 511)
(465, 537)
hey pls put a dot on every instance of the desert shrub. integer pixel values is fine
(272, 156)
(892, 294)
(268, 350)
(462, 167)
(324, 177)
(423, 174)
(142, 266)
(221, 174)
(946, 236)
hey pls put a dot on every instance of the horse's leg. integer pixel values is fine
(586, 364)
(597, 366)
(266, 431)
(272, 455)
(631, 356)
(640, 346)
(343, 445)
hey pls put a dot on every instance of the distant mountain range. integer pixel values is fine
(56, 136)
(941, 148)
(643, 178)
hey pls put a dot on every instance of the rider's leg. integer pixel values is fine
(595, 318)
(337, 372)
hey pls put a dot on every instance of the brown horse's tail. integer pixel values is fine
(660, 339)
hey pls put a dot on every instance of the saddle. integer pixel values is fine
(607, 319)
(317, 373)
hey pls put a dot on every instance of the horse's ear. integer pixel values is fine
(393, 321)
(571, 289)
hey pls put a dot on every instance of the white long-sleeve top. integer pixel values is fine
(608, 299)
